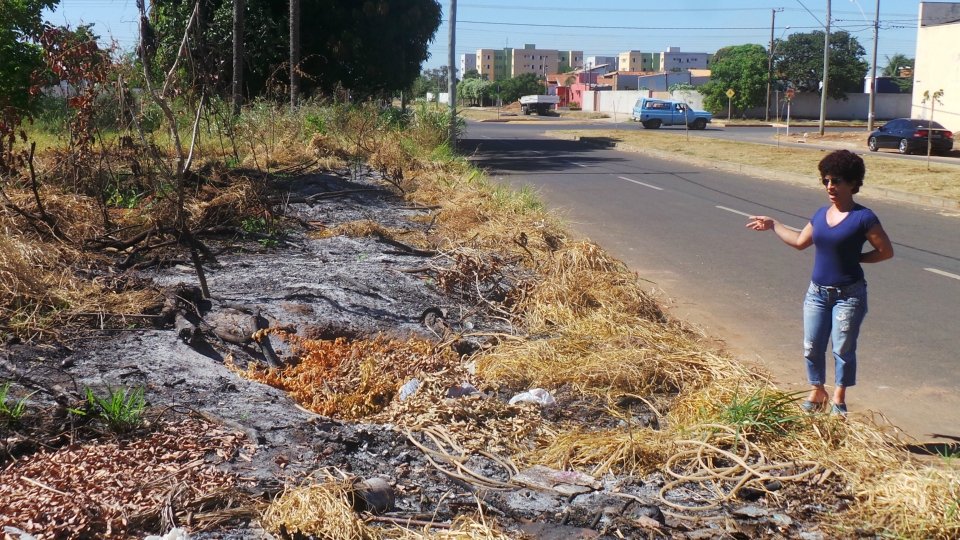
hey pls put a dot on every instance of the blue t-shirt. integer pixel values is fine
(838, 248)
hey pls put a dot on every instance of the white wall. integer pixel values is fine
(938, 63)
(805, 105)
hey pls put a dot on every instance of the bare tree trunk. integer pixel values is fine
(294, 53)
(237, 55)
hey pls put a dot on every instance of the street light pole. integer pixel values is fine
(452, 77)
(773, 20)
(873, 70)
(826, 71)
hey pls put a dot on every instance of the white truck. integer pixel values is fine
(538, 103)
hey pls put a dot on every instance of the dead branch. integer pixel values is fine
(321, 196)
(407, 250)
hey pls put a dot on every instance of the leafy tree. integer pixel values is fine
(742, 68)
(799, 60)
(474, 90)
(21, 59)
(892, 69)
(471, 74)
(525, 84)
(370, 47)
(20, 56)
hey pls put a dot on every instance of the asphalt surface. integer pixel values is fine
(684, 229)
(759, 135)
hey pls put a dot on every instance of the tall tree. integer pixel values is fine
(799, 60)
(742, 68)
(894, 67)
(369, 47)
(20, 57)
(294, 52)
(237, 71)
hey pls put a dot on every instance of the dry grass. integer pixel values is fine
(943, 180)
(38, 287)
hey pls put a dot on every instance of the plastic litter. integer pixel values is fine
(23, 535)
(174, 534)
(535, 395)
(409, 388)
(464, 389)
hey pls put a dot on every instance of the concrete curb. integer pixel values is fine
(767, 174)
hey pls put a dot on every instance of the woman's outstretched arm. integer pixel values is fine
(794, 239)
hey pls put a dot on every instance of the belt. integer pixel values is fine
(841, 290)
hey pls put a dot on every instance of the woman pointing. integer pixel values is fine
(836, 300)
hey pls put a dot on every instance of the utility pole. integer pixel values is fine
(452, 76)
(294, 54)
(826, 71)
(237, 55)
(873, 69)
(773, 21)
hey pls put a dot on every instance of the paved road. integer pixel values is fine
(759, 135)
(684, 228)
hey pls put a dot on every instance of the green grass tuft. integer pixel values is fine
(122, 409)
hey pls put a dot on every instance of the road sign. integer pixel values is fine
(790, 93)
(731, 93)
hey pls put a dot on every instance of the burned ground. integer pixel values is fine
(362, 287)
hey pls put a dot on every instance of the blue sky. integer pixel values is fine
(645, 25)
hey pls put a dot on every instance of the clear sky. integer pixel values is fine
(604, 27)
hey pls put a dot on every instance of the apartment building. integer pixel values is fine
(674, 60)
(635, 61)
(612, 62)
(467, 62)
(937, 66)
(509, 62)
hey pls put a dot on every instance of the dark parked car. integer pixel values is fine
(910, 135)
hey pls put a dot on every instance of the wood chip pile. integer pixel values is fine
(103, 490)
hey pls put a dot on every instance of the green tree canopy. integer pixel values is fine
(20, 56)
(799, 60)
(742, 68)
(893, 69)
(471, 74)
(369, 47)
(474, 90)
(513, 88)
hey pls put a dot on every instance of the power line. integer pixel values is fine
(589, 27)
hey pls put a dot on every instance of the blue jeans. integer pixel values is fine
(833, 313)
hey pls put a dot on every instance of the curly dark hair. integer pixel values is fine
(845, 165)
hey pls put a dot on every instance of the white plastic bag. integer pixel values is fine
(535, 395)
(174, 534)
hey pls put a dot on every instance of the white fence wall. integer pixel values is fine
(805, 105)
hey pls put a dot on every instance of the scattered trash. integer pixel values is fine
(23, 535)
(647, 522)
(174, 534)
(409, 388)
(750, 512)
(536, 395)
(782, 520)
(464, 389)
(564, 482)
(812, 535)
(374, 495)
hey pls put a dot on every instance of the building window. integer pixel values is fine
(488, 57)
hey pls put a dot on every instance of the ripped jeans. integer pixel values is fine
(833, 313)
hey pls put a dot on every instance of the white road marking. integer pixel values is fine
(751, 215)
(734, 211)
(641, 183)
(942, 273)
(535, 152)
(575, 163)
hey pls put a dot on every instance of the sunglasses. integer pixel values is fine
(835, 181)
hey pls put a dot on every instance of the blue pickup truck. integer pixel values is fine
(653, 113)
